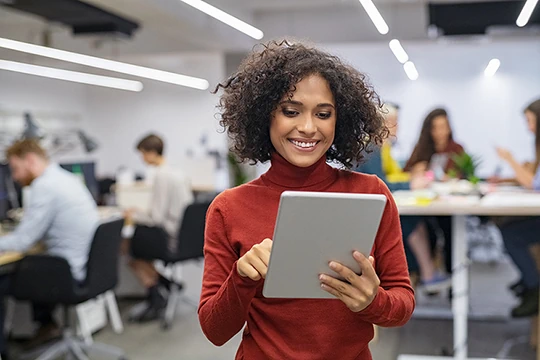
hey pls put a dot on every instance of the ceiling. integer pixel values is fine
(172, 26)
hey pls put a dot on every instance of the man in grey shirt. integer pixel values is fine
(60, 212)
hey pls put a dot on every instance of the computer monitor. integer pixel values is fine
(10, 192)
(87, 170)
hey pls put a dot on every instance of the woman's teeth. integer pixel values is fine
(304, 144)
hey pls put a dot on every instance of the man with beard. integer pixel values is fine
(60, 212)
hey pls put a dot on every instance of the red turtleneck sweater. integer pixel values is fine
(299, 329)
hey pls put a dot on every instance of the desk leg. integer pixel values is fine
(537, 335)
(460, 286)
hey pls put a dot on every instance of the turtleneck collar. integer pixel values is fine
(284, 175)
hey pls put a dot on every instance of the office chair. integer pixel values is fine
(48, 279)
(190, 247)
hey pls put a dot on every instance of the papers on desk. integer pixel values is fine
(511, 199)
(426, 197)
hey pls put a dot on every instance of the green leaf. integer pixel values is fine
(466, 165)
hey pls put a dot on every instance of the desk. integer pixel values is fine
(459, 210)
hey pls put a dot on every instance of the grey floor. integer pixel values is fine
(420, 336)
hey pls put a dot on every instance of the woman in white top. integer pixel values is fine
(519, 235)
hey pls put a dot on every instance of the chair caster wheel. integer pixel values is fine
(165, 326)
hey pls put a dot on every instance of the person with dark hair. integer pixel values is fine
(299, 108)
(171, 194)
(151, 145)
(433, 152)
(61, 212)
(435, 146)
(519, 235)
(417, 248)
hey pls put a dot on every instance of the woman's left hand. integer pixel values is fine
(357, 291)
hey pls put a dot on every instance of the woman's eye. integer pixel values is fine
(289, 112)
(324, 115)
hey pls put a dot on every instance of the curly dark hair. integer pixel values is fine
(253, 93)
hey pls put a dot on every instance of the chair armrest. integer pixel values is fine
(43, 278)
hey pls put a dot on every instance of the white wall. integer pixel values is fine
(119, 119)
(484, 112)
(51, 101)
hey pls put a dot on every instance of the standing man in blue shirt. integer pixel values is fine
(60, 212)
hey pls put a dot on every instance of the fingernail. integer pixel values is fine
(321, 277)
(333, 265)
(357, 254)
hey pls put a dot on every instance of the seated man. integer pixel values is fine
(60, 211)
(171, 194)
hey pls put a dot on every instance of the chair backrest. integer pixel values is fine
(191, 234)
(102, 266)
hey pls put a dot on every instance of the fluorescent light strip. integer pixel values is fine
(399, 51)
(526, 13)
(73, 76)
(492, 67)
(225, 18)
(105, 64)
(375, 16)
(410, 70)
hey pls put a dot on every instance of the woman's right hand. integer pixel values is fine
(254, 263)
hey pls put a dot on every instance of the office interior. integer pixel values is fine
(468, 57)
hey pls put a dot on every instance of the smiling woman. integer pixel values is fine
(299, 107)
(266, 87)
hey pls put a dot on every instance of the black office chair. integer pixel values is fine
(48, 279)
(190, 247)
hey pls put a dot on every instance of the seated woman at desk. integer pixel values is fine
(381, 163)
(171, 194)
(519, 235)
(433, 152)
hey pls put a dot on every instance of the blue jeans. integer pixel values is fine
(518, 237)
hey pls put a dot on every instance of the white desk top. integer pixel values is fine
(494, 204)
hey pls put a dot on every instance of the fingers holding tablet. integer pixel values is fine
(254, 263)
(357, 291)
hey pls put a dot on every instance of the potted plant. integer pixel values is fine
(466, 166)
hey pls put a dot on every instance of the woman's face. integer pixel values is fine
(531, 121)
(440, 130)
(302, 128)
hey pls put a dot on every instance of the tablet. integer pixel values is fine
(314, 228)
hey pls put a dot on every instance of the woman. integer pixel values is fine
(435, 146)
(299, 108)
(434, 152)
(519, 235)
(417, 247)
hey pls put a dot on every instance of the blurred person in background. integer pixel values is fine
(519, 234)
(157, 228)
(61, 212)
(433, 153)
(415, 237)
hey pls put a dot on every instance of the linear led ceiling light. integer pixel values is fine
(399, 51)
(526, 13)
(225, 18)
(410, 70)
(73, 76)
(100, 63)
(375, 16)
(492, 67)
